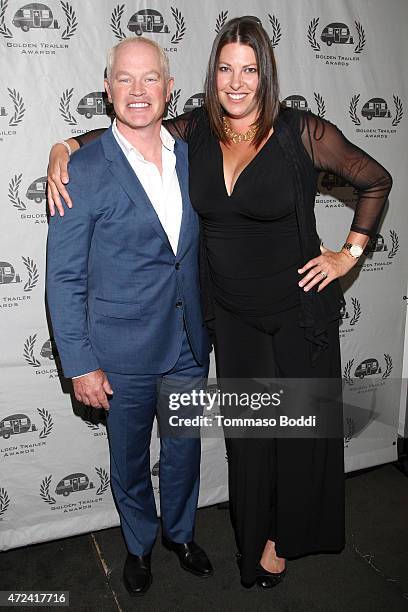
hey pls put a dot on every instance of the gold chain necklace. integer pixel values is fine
(238, 136)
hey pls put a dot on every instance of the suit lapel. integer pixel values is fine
(124, 174)
(182, 175)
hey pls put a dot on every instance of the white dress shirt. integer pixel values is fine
(163, 190)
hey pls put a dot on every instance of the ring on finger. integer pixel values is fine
(323, 274)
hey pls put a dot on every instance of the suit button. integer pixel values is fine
(177, 266)
(179, 304)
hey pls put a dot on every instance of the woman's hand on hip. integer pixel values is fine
(324, 269)
(57, 178)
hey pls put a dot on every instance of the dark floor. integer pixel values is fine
(371, 574)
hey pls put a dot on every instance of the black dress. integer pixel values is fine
(287, 490)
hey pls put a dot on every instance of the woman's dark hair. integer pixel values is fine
(246, 31)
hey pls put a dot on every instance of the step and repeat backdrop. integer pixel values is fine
(345, 60)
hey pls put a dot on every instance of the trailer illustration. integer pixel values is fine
(15, 424)
(195, 101)
(368, 367)
(92, 104)
(343, 312)
(72, 483)
(49, 349)
(35, 16)
(36, 191)
(156, 469)
(376, 107)
(329, 181)
(296, 101)
(147, 20)
(377, 244)
(8, 274)
(338, 33)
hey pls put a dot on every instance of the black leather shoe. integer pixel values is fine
(267, 580)
(192, 558)
(137, 576)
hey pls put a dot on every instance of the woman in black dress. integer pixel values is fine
(271, 291)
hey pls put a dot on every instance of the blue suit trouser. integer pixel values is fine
(137, 399)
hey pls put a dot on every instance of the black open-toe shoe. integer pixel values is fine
(267, 580)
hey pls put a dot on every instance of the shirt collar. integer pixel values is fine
(165, 137)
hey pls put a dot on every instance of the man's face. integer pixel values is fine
(137, 87)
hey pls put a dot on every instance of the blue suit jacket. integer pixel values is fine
(117, 293)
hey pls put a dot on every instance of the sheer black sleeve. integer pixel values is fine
(330, 151)
(83, 139)
(190, 127)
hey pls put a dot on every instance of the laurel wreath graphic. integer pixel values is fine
(321, 106)
(65, 101)
(221, 19)
(4, 501)
(395, 244)
(180, 26)
(350, 430)
(388, 362)
(361, 38)
(72, 22)
(347, 370)
(29, 351)
(47, 421)
(357, 311)
(19, 108)
(172, 105)
(276, 29)
(104, 478)
(115, 21)
(45, 490)
(399, 110)
(4, 31)
(32, 273)
(353, 109)
(13, 195)
(311, 34)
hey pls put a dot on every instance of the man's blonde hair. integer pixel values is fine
(164, 61)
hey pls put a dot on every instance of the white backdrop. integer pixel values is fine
(343, 59)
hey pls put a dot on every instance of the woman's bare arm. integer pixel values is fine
(57, 176)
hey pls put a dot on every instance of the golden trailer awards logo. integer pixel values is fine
(35, 192)
(369, 374)
(11, 115)
(4, 502)
(377, 112)
(97, 429)
(193, 102)
(150, 22)
(19, 429)
(47, 351)
(273, 21)
(12, 278)
(340, 36)
(334, 191)
(93, 104)
(155, 473)
(79, 487)
(299, 102)
(350, 314)
(380, 252)
(38, 19)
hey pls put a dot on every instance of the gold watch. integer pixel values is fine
(355, 250)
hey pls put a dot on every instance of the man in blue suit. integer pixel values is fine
(123, 292)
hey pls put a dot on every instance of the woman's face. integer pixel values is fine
(237, 81)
